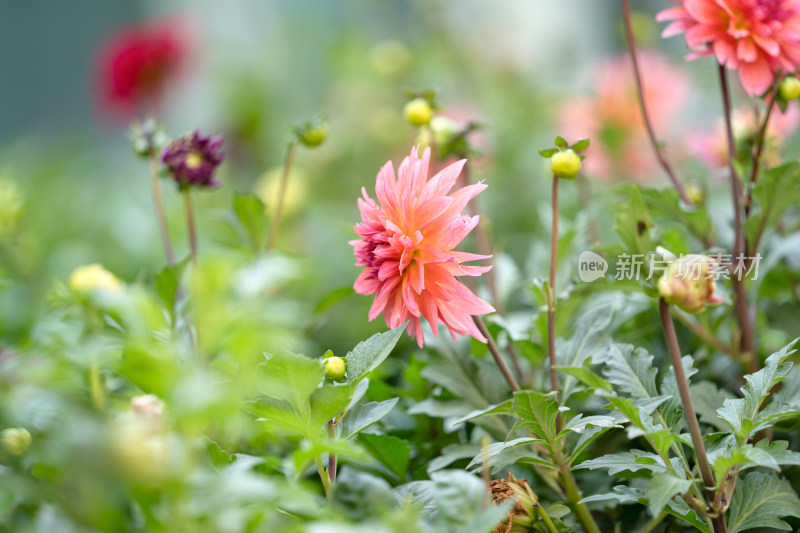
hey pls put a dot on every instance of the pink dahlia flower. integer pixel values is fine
(611, 118)
(755, 37)
(406, 245)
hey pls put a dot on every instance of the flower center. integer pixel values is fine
(193, 160)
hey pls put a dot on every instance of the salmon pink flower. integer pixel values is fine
(610, 117)
(755, 37)
(407, 243)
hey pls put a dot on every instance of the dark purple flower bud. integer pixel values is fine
(192, 159)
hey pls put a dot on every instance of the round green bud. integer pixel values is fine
(314, 135)
(790, 88)
(16, 440)
(335, 368)
(696, 193)
(418, 112)
(565, 164)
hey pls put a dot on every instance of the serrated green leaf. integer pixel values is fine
(672, 410)
(502, 408)
(391, 452)
(779, 450)
(661, 489)
(362, 416)
(579, 423)
(631, 370)
(327, 402)
(291, 377)
(707, 398)
(726, 458)
(495, 450)
(538, 413)
(370, 353)
(621, 494)
(790, 390)
(633, 224)
(633, 461)
(459, 498)
(761, 500)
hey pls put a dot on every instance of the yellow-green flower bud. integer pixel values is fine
(689, 283)
(790, 88)
(565, 164)
(16, 440)
(313, 135)
(418, 112)
(696, 193)
(90, 277)
(335, 368)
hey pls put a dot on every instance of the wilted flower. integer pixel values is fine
(755, 37)
(137, 62)
(407, 248)
(612, 119)
(16, 440)
(192, 159)
(91, 277)
(688, 282)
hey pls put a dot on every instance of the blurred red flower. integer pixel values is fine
(136, 63)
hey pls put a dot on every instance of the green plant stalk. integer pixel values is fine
(689, 412)
(291, 148)
(761, 141)
(574, 496)
(742, 314)
(323, 476)
(512, 383)
(190, 225)
(657, 149)
(550, 525)
(331, 455)
(158, 203)
(551, 293)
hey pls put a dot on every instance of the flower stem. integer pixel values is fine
(331, 455)
(546, 519)
(574, 496)
(187, 201)
(551, 293)
(742, 313)
(326, 483)
(657, 149)
(158, 203)
(512, 383)
(291, 148)
(689, 413)
(96, 386)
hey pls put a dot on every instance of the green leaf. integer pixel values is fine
(548, 153)
(497, 454)
(726, 458)
(777, 188)
(642, 424)
(579, 423)
(327, 402)
(581, 145)
(452, 453)
(662, 487)
(587, 343)
(779, 450)
(362, 416)
(538, 413)
(166, 285)
(251, 212)
(585, 376)
(293, 378)
(621, 494)
(370, 353)
(671, 411)
(633, 461)
(561, 142)
(391, 452)
(707, 398)
(633, 225)
(760, 501)
(743, 414)
(360, 495)
(502, 408)
(631, 370)
(459, 498)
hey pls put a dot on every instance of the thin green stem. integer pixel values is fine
(742, 313)
(574, 496)
(291, 148)
(551, 293)
(550, 525)
(651, 525)
(158, 203)
(657, 148)
(96, 386)
(190, 224)
(501, 364)
(323, 476)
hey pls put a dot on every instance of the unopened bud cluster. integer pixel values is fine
(688, 283)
